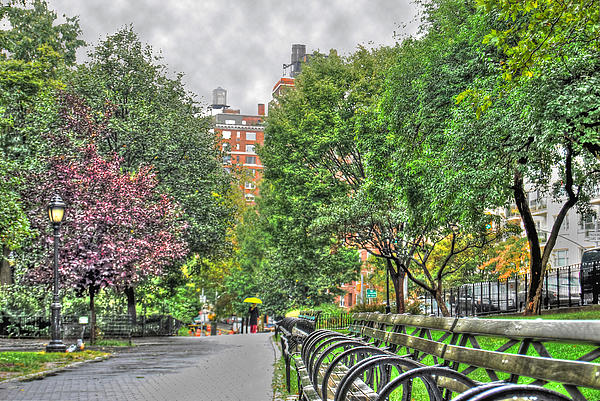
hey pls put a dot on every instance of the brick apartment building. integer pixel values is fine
(239, 136)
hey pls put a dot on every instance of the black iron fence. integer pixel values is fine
(108, 326)
(333, 321)
(566, 286)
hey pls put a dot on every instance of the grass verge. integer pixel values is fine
(113, 343)
(279, 385)
(16, 364)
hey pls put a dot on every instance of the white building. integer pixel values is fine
(576, 234)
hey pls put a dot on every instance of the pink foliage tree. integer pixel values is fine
(118, 228)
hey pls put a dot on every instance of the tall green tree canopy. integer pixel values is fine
(154, 120)
(34, 32)
(34, 50)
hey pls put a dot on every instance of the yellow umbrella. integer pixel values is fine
(293, 313)
(252, 300)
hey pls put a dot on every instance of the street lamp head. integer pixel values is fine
(56, 209)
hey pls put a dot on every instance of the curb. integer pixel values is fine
(51, 372)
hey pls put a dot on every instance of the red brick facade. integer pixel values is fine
(239, 136)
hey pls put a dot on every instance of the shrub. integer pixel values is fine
(368, 308)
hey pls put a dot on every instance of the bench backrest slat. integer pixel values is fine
(460, 337)
(564, 331)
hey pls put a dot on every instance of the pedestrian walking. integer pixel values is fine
(253, 312)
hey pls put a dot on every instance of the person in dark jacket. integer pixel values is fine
(253, 312)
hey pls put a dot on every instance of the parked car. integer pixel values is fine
(466, 305)
(429, 306)
(565, 292)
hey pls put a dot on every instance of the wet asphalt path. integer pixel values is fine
(228, 367)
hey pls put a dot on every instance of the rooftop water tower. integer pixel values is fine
(298, 55)
(219, 98)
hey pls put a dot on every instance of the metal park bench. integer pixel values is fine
(408, 357)
(292, 331)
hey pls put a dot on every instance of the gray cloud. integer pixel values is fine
(241, 45)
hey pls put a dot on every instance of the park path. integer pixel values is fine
(228, 367)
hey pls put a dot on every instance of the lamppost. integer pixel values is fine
(56, 212)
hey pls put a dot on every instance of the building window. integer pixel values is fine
(342, 299)
(561, 257)
(349, 299)
(238, 134)
(237, 146)
(226, 147)
(249, 198)
(249, 185)
(565, 224)
(252, 172)
(251, 136)
(250, 159)
(588, 223)
(226, 134)
(226, 159)
(250, 148)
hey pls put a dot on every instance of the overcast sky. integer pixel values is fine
(241, 45)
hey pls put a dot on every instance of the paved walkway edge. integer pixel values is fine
(42, 374)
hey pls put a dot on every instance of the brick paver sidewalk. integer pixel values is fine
(228, 367)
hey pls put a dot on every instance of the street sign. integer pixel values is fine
(371, 293)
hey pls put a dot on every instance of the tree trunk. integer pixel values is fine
(130, 292)
(6, 276)
(440, 301)
(92, 316)
(397, 277)
(532, 306)
(538, 258)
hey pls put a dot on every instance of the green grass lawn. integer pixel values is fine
(588, 313)
(14, 364)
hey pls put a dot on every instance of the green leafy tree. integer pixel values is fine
(404, 157)
(154, 120)
(558, 40)
(14, 225)
(535, 32)
(34, 49)
(539, 135)
(34, 30)
(283, 262)
(313, 155)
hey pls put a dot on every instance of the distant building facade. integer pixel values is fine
(239, 135)
(576, 233)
